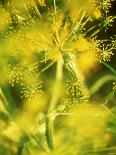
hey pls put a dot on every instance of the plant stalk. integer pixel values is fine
(54, 99)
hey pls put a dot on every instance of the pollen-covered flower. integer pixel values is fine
(48, 51)
(75, 89)
(14, 75)
(28, 41)
(105, 5)
(105, 53)
(30, 92)
(108, 21)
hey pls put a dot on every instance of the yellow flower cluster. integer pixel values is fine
(5, 19)
(42, 2)
(105, 53)
(27, 42)
(106, 5)
(90, 123)
(88, 5)
(14, 75)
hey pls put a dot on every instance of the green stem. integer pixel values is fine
(108, 66)
(74, 71)
(99, 83)
(101, 150)
(55, 8)
(48, 133)
(54, 99)
(47, 67)
(109, 97)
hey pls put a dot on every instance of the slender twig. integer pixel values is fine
(108, 66)
(55, 8)
(109, 97)
(113, 148)
(99, 83)
(47, 67)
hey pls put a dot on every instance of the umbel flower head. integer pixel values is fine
(48, 49)
(59, 34)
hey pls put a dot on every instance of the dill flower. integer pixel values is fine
(14, 75)
(105, 5)
(31, 92)
(27, 42)
(52, 49)
(105, 53)
(31, 85)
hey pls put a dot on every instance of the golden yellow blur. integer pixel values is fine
(89, 122)
(5, 19)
